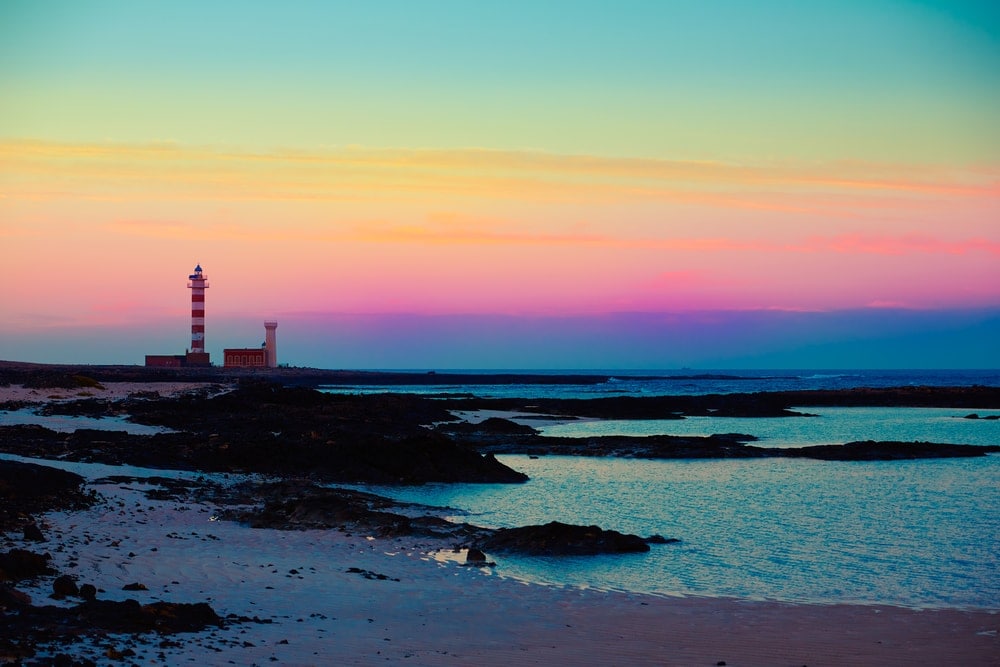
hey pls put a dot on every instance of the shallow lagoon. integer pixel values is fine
(70, 423)
(910, 533)
(829, 426)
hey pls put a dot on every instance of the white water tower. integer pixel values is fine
(271, 343)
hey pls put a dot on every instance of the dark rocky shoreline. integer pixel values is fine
(749, 404)
(265, 427)
(496, 439)
(30, 490)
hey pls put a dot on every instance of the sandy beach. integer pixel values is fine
(111, 391)
(424, 610)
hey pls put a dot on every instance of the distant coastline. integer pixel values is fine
(289, 376)
(12, 371)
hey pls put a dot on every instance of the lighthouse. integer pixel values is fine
(198, 285)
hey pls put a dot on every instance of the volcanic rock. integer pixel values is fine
(293, 505)
(32, 533)
(870, 450)
(127, 616)
(284, 431)
(11, 598)
(490, 426)
(27, 488)
(64, 586)
(560, 539)
(130, 616)
(18, 564)
(474, 555)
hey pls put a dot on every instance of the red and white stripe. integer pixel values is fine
(198, 285)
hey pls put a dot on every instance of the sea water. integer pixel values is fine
(679, 382)
(823, 426)
(910, 533)
(921, 533)
(70, 423)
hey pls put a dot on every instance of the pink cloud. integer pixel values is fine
(887, 304)
(901, 245)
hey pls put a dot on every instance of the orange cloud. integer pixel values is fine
(448, 229)
(339, 174)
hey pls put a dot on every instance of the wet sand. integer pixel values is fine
(428, 611)
(112, 391)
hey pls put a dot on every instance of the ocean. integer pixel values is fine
(683, 382)
(920, 534)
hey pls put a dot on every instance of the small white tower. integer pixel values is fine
(271, 343)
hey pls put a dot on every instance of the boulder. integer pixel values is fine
(560, 539)
(32, 533)
(475, 556)
(129, 616)
(64, 586)
(27, 488)
(18, 564)
(11, 598)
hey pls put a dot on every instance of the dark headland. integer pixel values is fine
(274, 421)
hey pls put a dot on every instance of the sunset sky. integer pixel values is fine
(504, 184)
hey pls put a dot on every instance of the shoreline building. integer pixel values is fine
(265, 356)
(271, 342)
(196, 355)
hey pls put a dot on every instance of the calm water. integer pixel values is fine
(920, 534)
(690, 382)
(69, 423)
(911, 533)
(829, 426)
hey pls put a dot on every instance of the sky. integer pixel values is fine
(659, 184)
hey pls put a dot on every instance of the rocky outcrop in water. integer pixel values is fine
(756, 404)
(266, 428)
(301, 506)
(560, 539)
(870, 450)
(297, 506)
(722, 446)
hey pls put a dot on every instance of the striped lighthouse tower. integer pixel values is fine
(198, 285)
